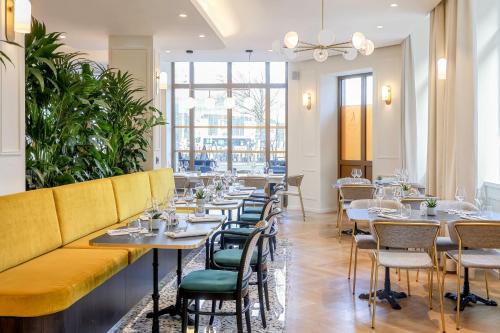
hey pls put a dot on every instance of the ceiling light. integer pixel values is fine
(325, 44)
(394, 5)
(270, 50)
(202, 36)
(62, 36)
(182, 15)
(380, 26)
(167, 51)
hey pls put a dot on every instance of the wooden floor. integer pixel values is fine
(320, 296)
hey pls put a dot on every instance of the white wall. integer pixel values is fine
(313, 135)
(12, 161)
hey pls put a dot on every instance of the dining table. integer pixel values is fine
(200, 232)
(443, 217)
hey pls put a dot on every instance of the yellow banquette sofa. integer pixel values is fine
(48, 268)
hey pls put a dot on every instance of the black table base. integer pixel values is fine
(466, 297)
(387, 293)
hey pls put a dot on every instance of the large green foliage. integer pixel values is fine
(83, 121)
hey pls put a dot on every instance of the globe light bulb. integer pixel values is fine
(190, 102)
(210, 103)
(350, 54)
(229, 103)
(320, 55)
(291, 39)
(326, 37)
(368, 47)
(249, 102)
(358, 40)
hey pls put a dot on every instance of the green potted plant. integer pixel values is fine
(200, 202)
(219, 190)
(406, 189)
(431, 204)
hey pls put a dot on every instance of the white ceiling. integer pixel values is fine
(230, 26)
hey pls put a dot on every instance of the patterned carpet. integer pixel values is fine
(136, 321)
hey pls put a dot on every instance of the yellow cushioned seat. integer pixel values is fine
(162, 183)
(54, 281)
(28, 227)
(134, 253)
(132, 192)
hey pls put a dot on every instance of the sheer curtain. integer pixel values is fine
(451, 152)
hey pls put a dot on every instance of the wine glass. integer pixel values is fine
(149, 212)
(353, 173)
(379, 194)
(359, 173)
(460, 194)
(398, 194)
(189, 197)
(133, 228)
(479, 200)
(406, 211)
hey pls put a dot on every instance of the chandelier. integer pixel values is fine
(326, 44)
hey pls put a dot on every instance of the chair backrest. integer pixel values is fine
(245, 271)
(444, 205)
(181, 182)
(356, 192)
(347, 180)
(257, 182)
(406, 234)
(271, 221)
(268, 206)
(295, 180)
(365, 204)
(478, 234)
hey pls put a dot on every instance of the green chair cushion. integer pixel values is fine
(210, 280)
(253, 210)
(246, 231)
(250, 217)
(232, 257)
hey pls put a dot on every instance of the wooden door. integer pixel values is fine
(355, 124)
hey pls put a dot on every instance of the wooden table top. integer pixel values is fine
(160, 240)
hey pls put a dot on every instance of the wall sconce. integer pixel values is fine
(387, 94)
(441, 68)
(17, 18)
(307, 100)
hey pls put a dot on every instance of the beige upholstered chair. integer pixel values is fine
(364, 242)
(484, 239)
(260, 183)
(181, 182)
(399, 237)
(294, 181)
(346, 181)
(349, 193)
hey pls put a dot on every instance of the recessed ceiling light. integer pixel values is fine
(182, 15)
(167, 51)
(62, 36)
(202, 36)
(380, 26)
(394, 4)
(270, 50)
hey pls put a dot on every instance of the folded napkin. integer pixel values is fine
(237, 193)
(180, 202)
(208, 218)
(118, 232)
(224, 202)
(248, 188)
(382, 210)
(391, 217)
(188, 233)
(472, 217)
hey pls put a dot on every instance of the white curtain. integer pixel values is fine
(451, 153)
(409, 113)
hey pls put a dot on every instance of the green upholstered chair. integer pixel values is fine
(230, 259)
(221, 285)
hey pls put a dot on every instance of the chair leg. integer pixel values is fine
(371, 284)
(340, 224)
(196, 315)
(184, 315)
(350, 259)
(246, 302)
(374, 301)
(440, 291)
(271, 250)
(302, 205)
(399, 274)
(355, 267)
(212, 317)
(459, 268)
(239, 316)
(220, 305)
(408, 281)
(266, 295)
(418, 271)
(431, 286)
(260, 289)
(486, 283)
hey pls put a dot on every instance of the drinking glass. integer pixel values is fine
(360, 173)
(423, 209)
(149, 212)
(406, 211)
(379, 194)
(353, 173)
(189, 197)
(460, 193)
(133, 228)
(398, 194)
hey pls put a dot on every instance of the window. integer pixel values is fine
(210, 137)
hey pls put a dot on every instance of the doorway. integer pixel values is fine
(355, 124)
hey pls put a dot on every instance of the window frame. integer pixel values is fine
(229, 86)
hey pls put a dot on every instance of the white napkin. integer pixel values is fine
(391, 217)
(189, 233)
(237, 193)
(118, 232)
(208, 218)
(248, 188)
(382, 210)
(472, 217)
(224, 202)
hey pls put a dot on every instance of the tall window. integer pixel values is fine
(212, 135)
